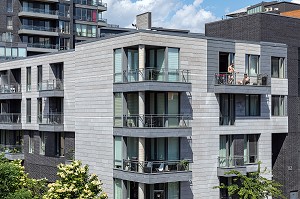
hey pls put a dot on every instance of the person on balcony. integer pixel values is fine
(231, 73)
(245, 81)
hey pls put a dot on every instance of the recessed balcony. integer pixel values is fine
(239, 163)
(42, 47)
(151, 172)
(38, 30)
(12, 152)
(38, 13)
(10, 91)
(102, 6)
(51, 88)
(229, 83)
(102, 22)
(51, 122)
(152, 79)
(10, 121)
(153, 126)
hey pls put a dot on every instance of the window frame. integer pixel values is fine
(9, 22)
(281, 62)
(248, 106)
(278, 99)
(248, 65)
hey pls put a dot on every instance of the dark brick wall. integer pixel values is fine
(279, 29)
(45, 166)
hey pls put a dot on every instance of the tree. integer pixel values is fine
(15, 183)
(75, 182)
(252, 186)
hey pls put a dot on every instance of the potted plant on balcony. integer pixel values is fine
(183, 165)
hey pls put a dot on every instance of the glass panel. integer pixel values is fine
(118, 152)
(254, 105)
(173, 190)
(118, 109)
(253, 68)
(14, 52)
(22, 52)
(42, 143)
(160, 64)
(118, 65)
(222, 151)
(8, 52)
(281, 68)
(133, 64)
(132, 148)
(2, 52)
(173, 109)
(274, 66)
(173, 64)
(28, 110)
(133, 109)
(118, 189)
(173, 149)
(160, 148)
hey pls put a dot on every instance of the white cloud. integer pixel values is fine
(296, 1)
(165, 13)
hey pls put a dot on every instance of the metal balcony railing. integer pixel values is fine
(52, 119)
(237, 161)
(156, 166)
(231, 79)
(11, 149)
(39, 28)
(42, 45)
(102, 20)
(149, 74)
(10, 88)
(48, 85)
(153, 121)
(10, 118)
(91, 3)
(41, 11)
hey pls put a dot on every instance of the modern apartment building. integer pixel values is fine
(274, 22)
(154, 113)
(47, 25)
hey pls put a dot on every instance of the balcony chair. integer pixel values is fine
(148, 167)
(160, 168)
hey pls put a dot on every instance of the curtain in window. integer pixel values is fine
(281, 68)
(222, 151)
(254, 105)
(253, 67)
(118, 65)
(173, 64)
(160, 67)
(118, 152)
(274, 67)
(173, 190)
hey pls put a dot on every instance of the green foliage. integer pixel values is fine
(15, 183)
(75, 182)
(252, 186)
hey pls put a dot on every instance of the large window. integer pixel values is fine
(278, 67)
(64, 10)
(64, 27)
(86, 30)
(31, 142)
(28, 110)
(40, 76)
(9, 23)
(9, 6)
(252, 65)
(28, 79)
(118, 70)
(86, 14)
(118, 152)
(42, 143)
(252, 105)
(278, 105)
(60, 144)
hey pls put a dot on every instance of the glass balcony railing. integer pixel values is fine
(153, 121)
(163, 75)
(42, 45)
(41, 11)
(91, 2)
(52, 119)
(156, 166)
(102, 20)
(237, 161)
(11, 149)
(10, 118)
(232, 79)
(48, 85)
(39, 28)
(10, 88)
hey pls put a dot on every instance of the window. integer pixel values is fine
(118, 109)
(9, 6)
(2, 52)
(64, 27)
(22, 52)
(252, 105)
(39, 109)
(278, 68)
(40, 76)
(31, 142)
(60, 144)
(278, 105)
(9, 23)
(118, 65)
(64, 43)
(28, 110)
(250, 148)
(118, 152)
(42, 143)
(252, 65)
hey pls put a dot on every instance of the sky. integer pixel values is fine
(181, 14)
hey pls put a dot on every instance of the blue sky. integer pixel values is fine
(182, 14)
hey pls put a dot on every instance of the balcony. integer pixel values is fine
(151, 172)
(102, 22)
(38, 30)
(153, 126)
(12, 152)
(51, 122)
(10, 121)
(152, 79)
(228, 83)
(102, 6)
(10, 91)
(226, 164)
(51, 88)
(42, 47)
(38, 13)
